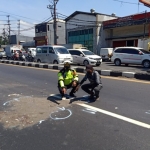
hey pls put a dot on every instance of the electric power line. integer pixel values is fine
(128, 2)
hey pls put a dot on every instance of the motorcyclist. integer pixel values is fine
(67, 78)
(30, 56)
(93, 88)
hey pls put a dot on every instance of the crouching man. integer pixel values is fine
(93, 88)
(67, 78)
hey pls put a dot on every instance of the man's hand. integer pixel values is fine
(64, 90)
(77, 88)
(74, 84)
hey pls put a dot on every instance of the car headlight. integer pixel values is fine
(91, 58)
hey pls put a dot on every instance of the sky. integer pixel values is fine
(31, 12)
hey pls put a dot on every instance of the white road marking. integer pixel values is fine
(138, 123)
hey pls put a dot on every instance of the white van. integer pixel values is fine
(106, 53)
(52, 54)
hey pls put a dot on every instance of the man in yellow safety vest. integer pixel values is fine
(67, 78)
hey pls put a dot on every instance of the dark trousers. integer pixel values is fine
(68, 87)
(87, 88)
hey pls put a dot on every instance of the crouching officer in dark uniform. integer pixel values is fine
(93, 88)
(67, 78)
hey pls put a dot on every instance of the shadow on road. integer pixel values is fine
(53, 99)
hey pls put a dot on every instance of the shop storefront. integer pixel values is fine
(127, 31)
(40, 40)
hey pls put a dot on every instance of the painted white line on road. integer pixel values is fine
(138, 123)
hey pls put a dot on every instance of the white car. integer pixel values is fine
(85, 57)
(131, 55)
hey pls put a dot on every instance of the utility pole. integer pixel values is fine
(53, 12)
(18, 27)
(4, 36)
(8, 28)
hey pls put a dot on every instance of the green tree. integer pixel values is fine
(4, 40)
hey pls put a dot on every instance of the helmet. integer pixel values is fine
(66, 64)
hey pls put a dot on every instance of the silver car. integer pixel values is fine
(2, 54)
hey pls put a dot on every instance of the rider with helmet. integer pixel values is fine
(67, 78)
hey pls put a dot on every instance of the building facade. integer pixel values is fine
(19, 39)
(85, 28)
(133, 30)
(44, 33)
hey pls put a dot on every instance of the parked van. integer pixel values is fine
(106, 53)
(53, 54)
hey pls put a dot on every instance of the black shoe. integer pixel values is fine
(72, 95)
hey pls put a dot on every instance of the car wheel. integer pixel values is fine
(146, 64)
(85, 62)
(117, 62)
(39, 61)
(55, 62)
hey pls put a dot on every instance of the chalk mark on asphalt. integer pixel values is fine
(41, 121)
(61, 109)
(91, 111)
(15, 99)
(148, 112)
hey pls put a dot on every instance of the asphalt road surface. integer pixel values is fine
(31, 119)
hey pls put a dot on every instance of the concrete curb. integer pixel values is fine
(136, 75)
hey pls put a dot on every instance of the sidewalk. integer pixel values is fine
(141, 74)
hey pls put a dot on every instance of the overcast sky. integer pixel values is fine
(31, 12)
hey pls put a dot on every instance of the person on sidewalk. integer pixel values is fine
(93, 88)
(67, 78)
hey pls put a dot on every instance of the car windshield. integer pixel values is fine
(61, 50)
(88, 53)
(144, 51)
